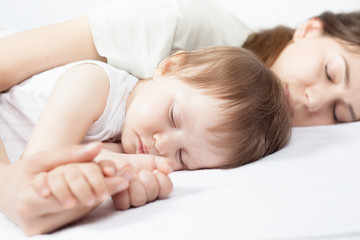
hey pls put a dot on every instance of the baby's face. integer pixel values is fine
(171, 119)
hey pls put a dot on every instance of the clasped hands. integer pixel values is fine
(51, 189)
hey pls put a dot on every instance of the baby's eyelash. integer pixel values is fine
(334, 113)
(180, 157)
(181, 160)
(171, 116)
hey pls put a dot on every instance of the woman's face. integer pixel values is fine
(322, 78)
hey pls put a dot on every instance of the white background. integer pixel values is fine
(23, 14)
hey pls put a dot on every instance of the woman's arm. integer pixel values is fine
(30, 52)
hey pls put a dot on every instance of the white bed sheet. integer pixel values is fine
(308, 190)
(311, 188)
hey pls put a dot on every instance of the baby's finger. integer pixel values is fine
(150, 183)
(60, 189)
(41, 185)
(163, 165)
(108, 167)
(137, 193)
(149, 162)
(165, 183)
(121, 200)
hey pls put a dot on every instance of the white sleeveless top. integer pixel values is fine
(20, 107)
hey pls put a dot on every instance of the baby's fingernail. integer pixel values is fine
(109, 171)
(45, 192)
(166, 170)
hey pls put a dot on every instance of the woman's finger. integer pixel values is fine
(94, 177)
(60, 189)
(41, 185)
(79, 186)
(46, 161)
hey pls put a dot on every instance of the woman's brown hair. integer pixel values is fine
(256, 119)
(268, 44)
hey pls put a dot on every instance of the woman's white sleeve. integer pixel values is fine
(136, 35)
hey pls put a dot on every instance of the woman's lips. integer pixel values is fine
(142, 149)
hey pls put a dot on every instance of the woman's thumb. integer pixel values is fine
(48, 160)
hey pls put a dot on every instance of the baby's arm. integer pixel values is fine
(77, 100)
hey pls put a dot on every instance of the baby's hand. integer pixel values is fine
(152, 181)
(84, 183)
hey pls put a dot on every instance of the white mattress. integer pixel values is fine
(308, 190)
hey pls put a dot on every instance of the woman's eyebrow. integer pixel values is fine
(347, 74)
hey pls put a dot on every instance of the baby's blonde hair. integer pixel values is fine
(256, 117)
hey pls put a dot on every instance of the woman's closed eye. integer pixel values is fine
(171, 116)
(327, 74)
(334, 116)
(329, 78)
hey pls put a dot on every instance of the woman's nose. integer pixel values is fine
(319, 96)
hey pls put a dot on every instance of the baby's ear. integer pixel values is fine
(170, 64)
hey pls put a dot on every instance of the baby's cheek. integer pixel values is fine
(128, 144)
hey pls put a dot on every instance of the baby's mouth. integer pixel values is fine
(142, 148)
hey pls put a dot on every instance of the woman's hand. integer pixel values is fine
(82, 183)
(25, 207)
